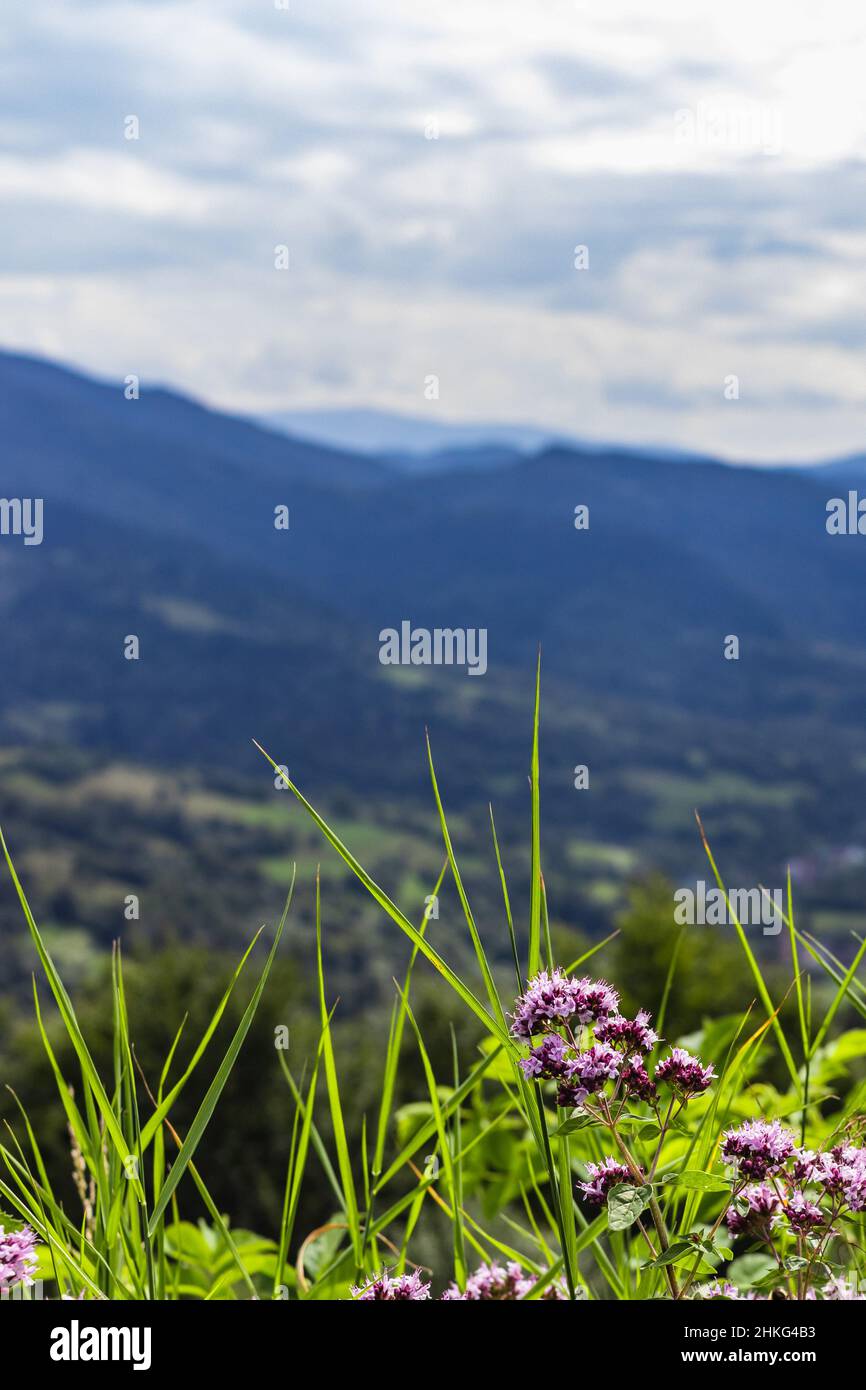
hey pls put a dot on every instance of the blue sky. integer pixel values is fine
(709, 156)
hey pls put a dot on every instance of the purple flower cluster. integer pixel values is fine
(802, 1215)
(392, 1289)
(548, 1059)
(631, 1034)
(804, 1165)
(762, 1214)
(717, 1288)
(637, 1080)
(834, 1290)
(614, 1051)
(499, 1283)
(489, 1283)
(842, 1173)
(838, 1290)
(17, 1257)
(603, 1176)
(594, 1000)
(556, 1000)
(588, 1072)
(685, 1073)
(757, 1148)
(800, 1180)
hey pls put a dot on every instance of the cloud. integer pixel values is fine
(432, 169)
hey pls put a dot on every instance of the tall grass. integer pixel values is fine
(485, 1155)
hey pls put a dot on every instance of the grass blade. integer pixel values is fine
(535, 868)
(394, 912)
(208, 1105)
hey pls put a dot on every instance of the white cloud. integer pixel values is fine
(710, 156)
(106, 181)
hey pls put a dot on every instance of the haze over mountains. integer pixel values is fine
(381, 432)
(671, 554)
(159, 522)
(423, 444)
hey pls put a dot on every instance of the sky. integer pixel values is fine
(431, 169)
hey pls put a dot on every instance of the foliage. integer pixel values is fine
(598, 1162)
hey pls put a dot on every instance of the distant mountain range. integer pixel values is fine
(383, 432)
(422, 444)
(159, 521)
(852, 468)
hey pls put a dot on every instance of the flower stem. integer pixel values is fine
(556, 1192)
(654, 1210)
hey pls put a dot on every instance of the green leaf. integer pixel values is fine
(575, 1123)
(748, 1269)
(625, 1203)
(696, 1181)
(643, 1125)
(679, 1250)
(848, 1046)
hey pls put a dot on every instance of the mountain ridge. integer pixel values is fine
(159, 523)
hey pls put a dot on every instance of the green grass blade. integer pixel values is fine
(344, 1162)
(545, 922)
(208, 1105)
(165, 1105)
(423, 1133)
(445, 1150)
(798, 982)
(395, 1039)
(402, 921)
(315, 1137)
(67, 1013)
(295, 1176)
(592, 951)
(772, 1013)
(669, 980)
(841, 992)
(535, 868)
(508, 916)
(486, 973)
(132, 1093)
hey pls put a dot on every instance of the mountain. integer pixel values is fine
(157, 459)
(673, 560)
(159, 524)
(385, 433)
(851, 469)
(421, 444)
